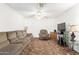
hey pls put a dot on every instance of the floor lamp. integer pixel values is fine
(73, 29)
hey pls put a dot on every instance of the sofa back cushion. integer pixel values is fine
(12, 36)
(20, 34)
(24, 33)
(43, 31)
(3, 40)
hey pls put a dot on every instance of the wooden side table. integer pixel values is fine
(53, 35)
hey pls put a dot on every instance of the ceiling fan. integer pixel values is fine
(39, 13)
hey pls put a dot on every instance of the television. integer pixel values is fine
(61, 27)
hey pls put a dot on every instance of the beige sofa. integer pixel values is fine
(12, 43)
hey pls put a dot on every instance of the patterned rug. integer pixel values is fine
(46, 47)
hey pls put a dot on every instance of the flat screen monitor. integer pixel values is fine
(61, 27)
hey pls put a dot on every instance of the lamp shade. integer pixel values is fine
(74, 28)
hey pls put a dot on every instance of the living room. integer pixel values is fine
(18, 19)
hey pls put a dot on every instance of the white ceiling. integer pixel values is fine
(48, 10)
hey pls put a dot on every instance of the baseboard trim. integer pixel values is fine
(36, 37)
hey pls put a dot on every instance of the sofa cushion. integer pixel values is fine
(12, 36)
(20, 34)
(4, 43)
(3, 40)
(3, 36)
(29, 36)
(15, 41)
(11, 49)
(24, 33)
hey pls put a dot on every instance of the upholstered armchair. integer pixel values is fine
(43, 34)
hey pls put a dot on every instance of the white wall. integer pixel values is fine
(71, 17)
(10, 20)
(35, 25)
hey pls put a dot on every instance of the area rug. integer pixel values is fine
(46, 47)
